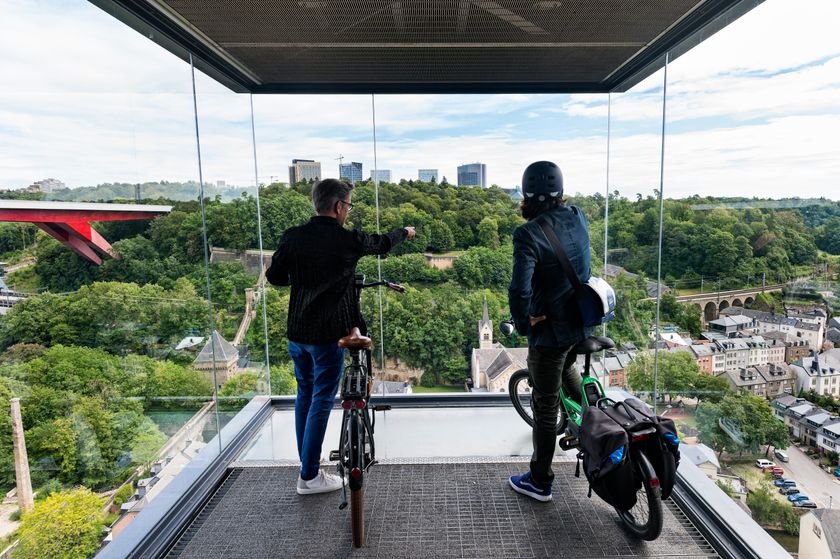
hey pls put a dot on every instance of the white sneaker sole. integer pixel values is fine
(541, 498)
(310, 491)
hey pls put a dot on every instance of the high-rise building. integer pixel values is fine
(350, 171)
(427, 175)
(304, 170)
(473, 174)
(381, 175)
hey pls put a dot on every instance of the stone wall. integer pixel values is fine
(396, 370)
(439, 262)
(250, 259)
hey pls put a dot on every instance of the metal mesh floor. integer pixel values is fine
(423, 510)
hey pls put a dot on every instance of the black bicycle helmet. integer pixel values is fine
(542, 179)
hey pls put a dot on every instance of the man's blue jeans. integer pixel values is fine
(318, 369)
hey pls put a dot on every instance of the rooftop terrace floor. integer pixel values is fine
(422, 508)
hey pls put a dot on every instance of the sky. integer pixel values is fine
(752, 111)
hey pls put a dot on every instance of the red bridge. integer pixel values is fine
(70, 222)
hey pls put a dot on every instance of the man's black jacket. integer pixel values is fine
(318, 260)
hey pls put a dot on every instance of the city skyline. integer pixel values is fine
(747, 115)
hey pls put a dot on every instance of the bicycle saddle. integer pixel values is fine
(593, 344)
(355, 341)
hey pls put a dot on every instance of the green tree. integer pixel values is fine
(441, 238)
(488, 233)
(147, 443)
(65, 525)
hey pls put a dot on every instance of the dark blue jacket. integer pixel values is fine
(539, 286)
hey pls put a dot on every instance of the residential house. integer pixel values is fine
(710, 359)
(759, 352)
(776, 347)
(817, 373)
(615, 369)
(794, 414)
(819, 534)
(828, 439)
(812, 424)
(737, 352)
(748, 378)
(807, 328)
(780, 378)
(781, 403)
(731, 326)
(703, 457)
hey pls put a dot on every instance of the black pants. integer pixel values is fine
(549, 367)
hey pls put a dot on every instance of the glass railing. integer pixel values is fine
(706, 188)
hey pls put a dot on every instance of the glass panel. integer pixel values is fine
(101, 338)
(633, 234)
(750, 156)
(235, 263)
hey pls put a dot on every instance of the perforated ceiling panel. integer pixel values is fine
(424, 45)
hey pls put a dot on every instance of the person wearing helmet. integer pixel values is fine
(541, 304)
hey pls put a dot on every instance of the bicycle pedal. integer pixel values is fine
(334, 455)
(568, 442)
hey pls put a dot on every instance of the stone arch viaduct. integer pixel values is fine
(710, 304)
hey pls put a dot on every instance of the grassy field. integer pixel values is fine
(438, 388)
(24, 279)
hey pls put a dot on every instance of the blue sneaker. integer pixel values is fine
(527, 486)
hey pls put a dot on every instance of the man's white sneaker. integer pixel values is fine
(322, 483)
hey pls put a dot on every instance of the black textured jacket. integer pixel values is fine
(318, 260)
(540, 287)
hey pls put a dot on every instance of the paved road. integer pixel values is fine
(810, 479)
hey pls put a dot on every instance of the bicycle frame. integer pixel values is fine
(573, 410)
(355, 397)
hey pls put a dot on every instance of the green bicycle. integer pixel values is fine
(644, 519)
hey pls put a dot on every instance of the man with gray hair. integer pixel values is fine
(318, 260)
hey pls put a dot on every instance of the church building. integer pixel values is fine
(492, 364)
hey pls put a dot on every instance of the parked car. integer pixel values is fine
(781, 456)
(837, 472)
(777, 476)
(788, 490)
(785, 481)
(805, 504)
(774, 470)
(762, 463)
(798, 497)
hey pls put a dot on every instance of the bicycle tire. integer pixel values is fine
(516, 389)
(357, 515)
(648, 496)
(355, 430)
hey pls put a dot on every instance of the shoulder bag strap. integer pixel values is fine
(561, 254)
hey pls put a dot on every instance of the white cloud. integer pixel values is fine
(86, 100)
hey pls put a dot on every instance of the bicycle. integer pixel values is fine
(356, 449)
(644, 520)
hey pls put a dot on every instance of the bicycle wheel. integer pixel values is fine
(644, 520)
(520, 388)
(356, 432)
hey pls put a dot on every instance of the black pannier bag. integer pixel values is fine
(663, 450)
(606, 459)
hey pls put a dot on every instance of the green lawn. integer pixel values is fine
(438, 388)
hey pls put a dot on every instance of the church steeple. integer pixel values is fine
(485, 328)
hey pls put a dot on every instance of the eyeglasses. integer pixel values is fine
(349, 205)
